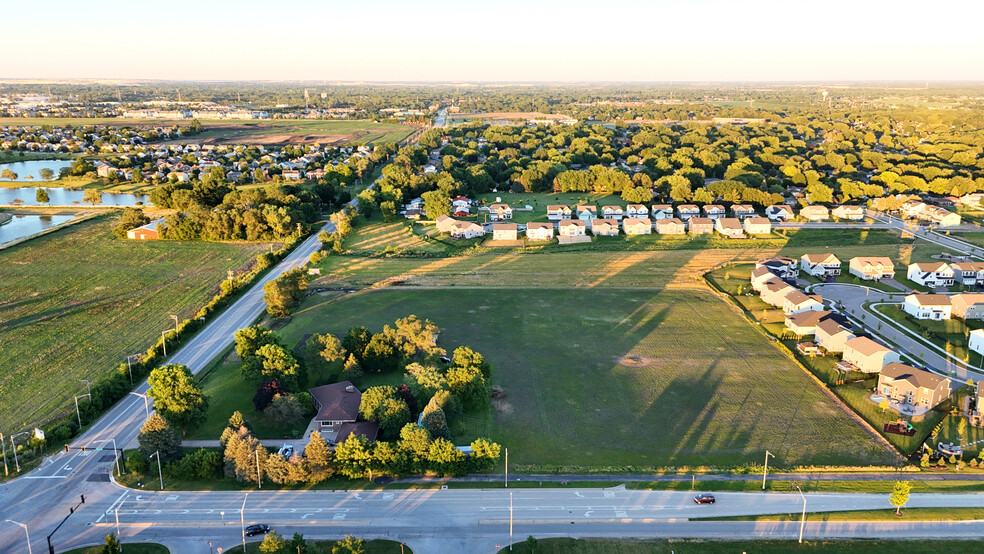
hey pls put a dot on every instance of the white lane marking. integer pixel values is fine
(339, 517)
(621, 514)
(609, 494)
(45, 477)
(588, 513)
(579, 495)
(388, 496)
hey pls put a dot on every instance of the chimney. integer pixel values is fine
(350, 388)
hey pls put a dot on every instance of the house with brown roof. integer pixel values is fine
(782, 266)
(498, 212)
(798, 301)
(815, 213)
(868, 356)
(586, 212)
(334, 405)
(612, 212)
(741, 211)
(671, 226)
(686, 211)
(604, 227)
(761, 275)
(699, 225)
(557, 212)
(928, 306)
(636, 210)
(637, 226)
(779, 212)
(466, 230)
(872, 268)
(967, 305)
(968, 273)
(832, 335)
(757, 225)
(774, 292)
(930, 274)
(977, 413)
(805, 322)
(714, 211)
(367, 429)
(505, 231)
(853, 213)
(913, 386)
(820, 266)
(539, 230)
(661, 211)
(729, 227)
(444, 223)
(572, 228)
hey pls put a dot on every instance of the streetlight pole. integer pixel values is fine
(129, 366)
(3, 445)
(256, 453)
(803, 517)
(146, 405)
(507, 468)
(88, 385)
(13, 446)
(766, 472)
(77, 413)
(160, 474)
(164, 341)
(116, 455)
(175, 318)
(25, 533)
(510, 521)
(118, 517)
(242, 520)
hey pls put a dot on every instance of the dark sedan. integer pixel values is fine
(258, 529)
(704, 499)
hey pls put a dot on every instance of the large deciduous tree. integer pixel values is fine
(177, 396)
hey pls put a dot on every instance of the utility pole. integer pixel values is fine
(510, 521)
(160, 474)
(129, 368)
(803, 517)
(507, 468)
(259, 480)
(766, 472)
(242, 520)
(77, 412)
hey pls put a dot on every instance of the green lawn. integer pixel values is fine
(128, 548)
(949, 334)
(695, 546)
(888, 514)
(75, 303)
(708, 391)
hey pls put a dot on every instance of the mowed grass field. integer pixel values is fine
(707, 390)
(75, 303)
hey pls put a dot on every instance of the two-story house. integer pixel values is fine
(967, 305)
(539, 230)
(928, 306)
(661, 211)
(913, 386)
(505, 231)
(931, 274)
(805, 322)
(671, 226)
(612, 212)
(637, 226)
(784, 267)
(729, 227)
(798, 301)
(686, 211)
(557, 212)
(714, 211)
(498, 212)
(779, 212)
(853, 213)
(832, 335)
(872, 268)
(572, 228)
(700, 226)
(754, 225)
(815, 213)
(604, 227)
(868, 356)
(968, 273)
(820, 266)
(741, 211)
(636, 210)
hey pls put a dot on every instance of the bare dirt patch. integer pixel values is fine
(634, 360)
(502, 407)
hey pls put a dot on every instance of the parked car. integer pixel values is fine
(704, 499)
(949, 449)
(258, 529)
(286, 450)
(445, 359)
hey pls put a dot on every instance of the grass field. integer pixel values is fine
(695, 546)
(707, 391)
(128, 548)
(75, 303)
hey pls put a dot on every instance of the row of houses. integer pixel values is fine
(916, 209)
(943, 274)
(938, 307)
(805, 316)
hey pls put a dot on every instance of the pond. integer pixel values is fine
(27, 196)
(23, 225)
(32, 168)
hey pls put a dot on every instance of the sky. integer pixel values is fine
(495, 40)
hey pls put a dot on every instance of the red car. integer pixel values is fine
(704, 499)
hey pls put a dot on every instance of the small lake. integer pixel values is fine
(32, 168)
(23, 225)
(27, 196)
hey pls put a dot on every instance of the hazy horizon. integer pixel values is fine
(436, 41)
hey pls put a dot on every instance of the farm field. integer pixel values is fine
(703, 387)
(75, 303)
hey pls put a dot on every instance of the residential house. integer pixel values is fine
(714, 211)
(367, 429)
(760, 276)
(977, 412)
(700, 226)
(942, 216)
(466, 230)
(334, 405)
(774, 292)
(586, 213)
(461, 207)
(832, 335)
(637, 226)
(729, 227)
(741, 211)
(779, 212)
(972, 200)
(977, 345)
(498, 212)
(849, 212)
(815, 213)
(913, 386)
(872, 268)
(798, 301)
(912, 208)
(150, 231)
(686, 211)
(444, 223)
(805, 322)
(967, 305)
(671, 226)
(927, 306)
(612, 212)
(558, 212)
(757, 225)
(661, 211)
(572, 228)
(868, 356)
(604, 227)
(539, 230)
(505, 231)
(820, 266)
(636, 210)
(930, 274)
(780, 265)
(292, 174)
(968, 273)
